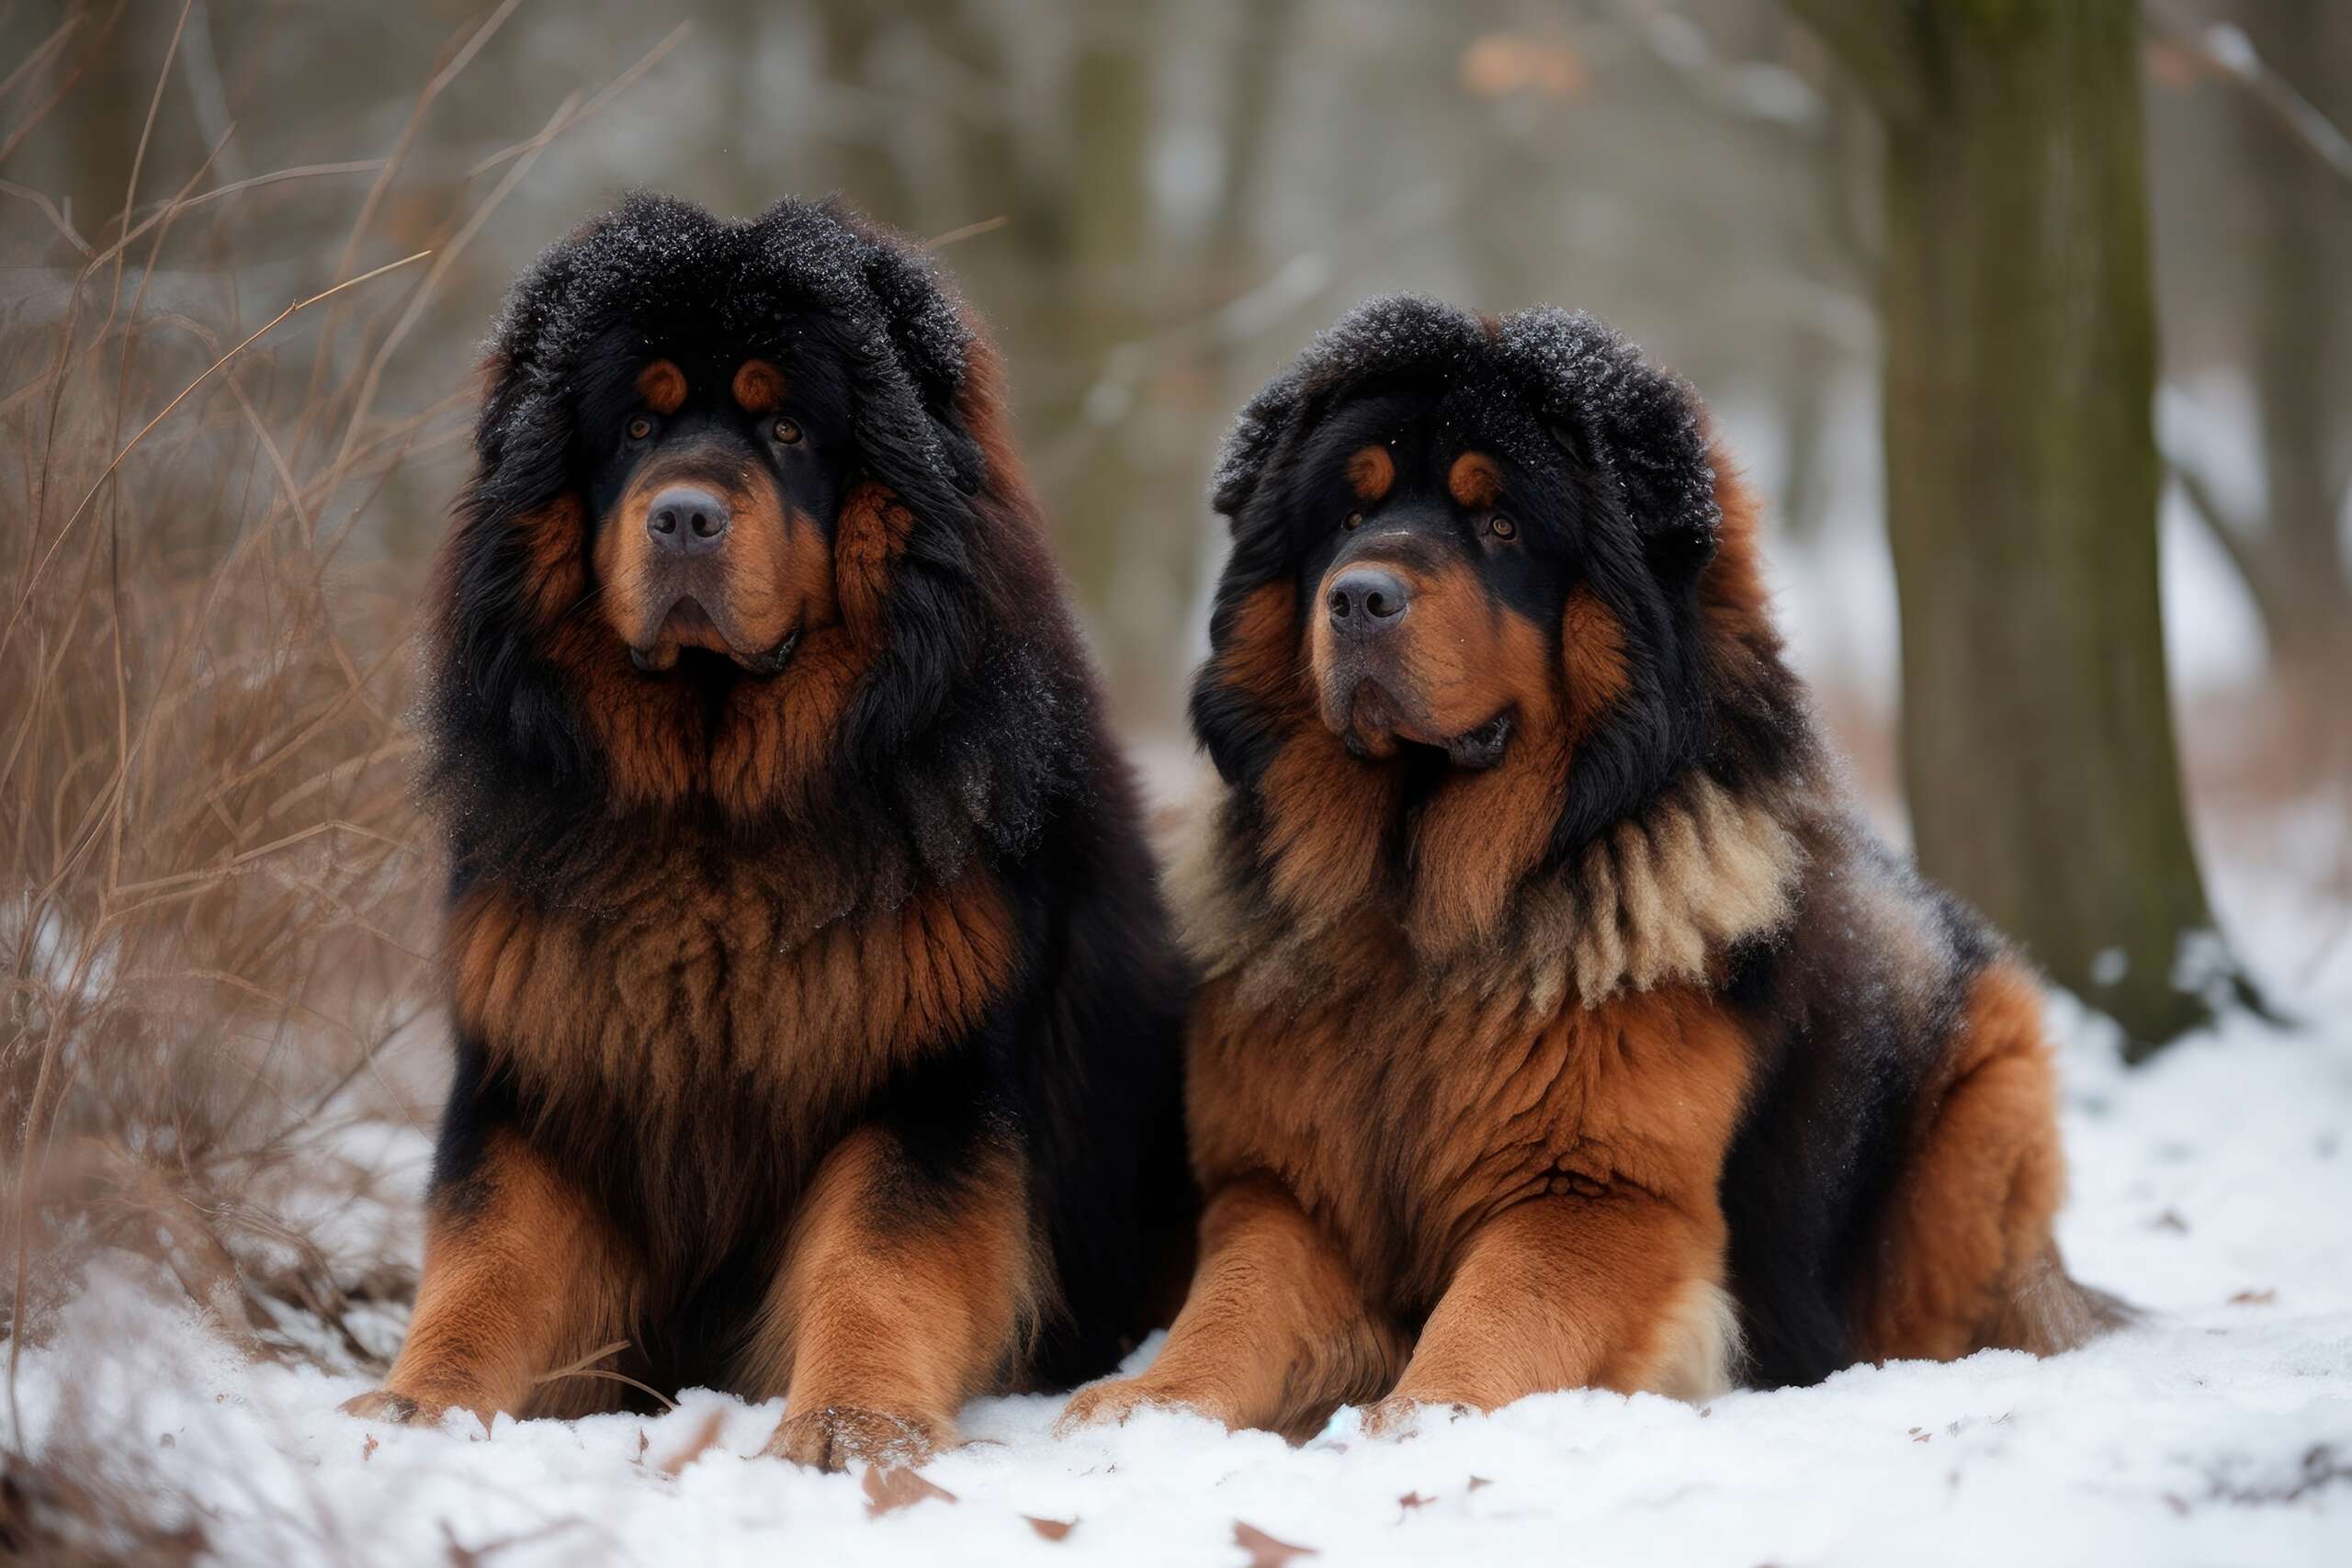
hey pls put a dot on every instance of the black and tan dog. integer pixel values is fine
(1560, 1025)
(815, 1015)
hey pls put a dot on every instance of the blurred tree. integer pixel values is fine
(109, 61)
(2022, 480)
(870, 175)
(1107, 249)
(2292, 554)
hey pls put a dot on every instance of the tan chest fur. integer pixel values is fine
(1403, 1118)
(679, 989)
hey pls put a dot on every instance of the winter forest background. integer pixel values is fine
(1926, 263)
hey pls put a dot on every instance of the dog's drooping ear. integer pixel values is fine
(1263, 421)
(929, 337)
(1638, 427)
(1395, 336)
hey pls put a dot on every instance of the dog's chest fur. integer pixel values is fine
(1404, 1120)
(670, 991)
(1406, 1096)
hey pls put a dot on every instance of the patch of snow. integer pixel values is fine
(2214, 643)
(2232, 50)
(2209, 1188)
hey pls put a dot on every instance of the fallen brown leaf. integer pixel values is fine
(460, 1555)
(1264, 1550)
(890, 1487)
(1501, 63)
(2261, 1298)
(1052, 1529)
(1412, 1500)
(368, 1448)
(1478, 1481)
(2170, 65)
(696, 1446)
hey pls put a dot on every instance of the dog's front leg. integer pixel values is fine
(904, 1290)
(523, 1275)
(1618, 1291)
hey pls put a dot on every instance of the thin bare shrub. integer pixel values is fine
(214, 886)
(209, 905)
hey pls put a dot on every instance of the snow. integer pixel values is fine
(2212, 1188)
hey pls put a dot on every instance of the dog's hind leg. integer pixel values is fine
(1965, 1257)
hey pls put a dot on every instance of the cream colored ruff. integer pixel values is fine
(1651, 902)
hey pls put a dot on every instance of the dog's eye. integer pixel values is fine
(1502, 527)
(1353, 520)
(639, 428)
(788, 433)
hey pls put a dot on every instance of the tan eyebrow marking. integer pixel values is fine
(662, 385)
(1370, 473)
(759, 387)
(1475, 481)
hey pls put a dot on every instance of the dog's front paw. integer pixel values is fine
(1111, 1403)
(383, 1404)
(834, 1437)
(1401, 1414)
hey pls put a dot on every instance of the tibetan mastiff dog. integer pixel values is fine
(1560, 1025)
(817, 1018)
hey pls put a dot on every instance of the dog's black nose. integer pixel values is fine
(686, 520)
(1364, 600)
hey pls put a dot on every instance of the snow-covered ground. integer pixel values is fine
(2213, 1188)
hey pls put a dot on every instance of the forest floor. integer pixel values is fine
(2212, 1188)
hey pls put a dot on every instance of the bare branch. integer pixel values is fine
(1756, 90)
(2233, 536)
(2227, 50)
(1872, 37)
(49, 211)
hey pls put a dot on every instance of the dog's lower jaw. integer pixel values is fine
(773, 661)
(1484, 747)
(662, 657)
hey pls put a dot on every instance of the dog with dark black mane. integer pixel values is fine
(1562, 1025)
(814, 1012)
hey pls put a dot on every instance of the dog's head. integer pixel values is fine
(747, 535)
(1491, 590)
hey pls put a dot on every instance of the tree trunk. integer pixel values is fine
(2022, 480)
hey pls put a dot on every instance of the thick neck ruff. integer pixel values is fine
(1656, 900)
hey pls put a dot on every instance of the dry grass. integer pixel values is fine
(210, 865)
(209, 868)
(215, 889)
